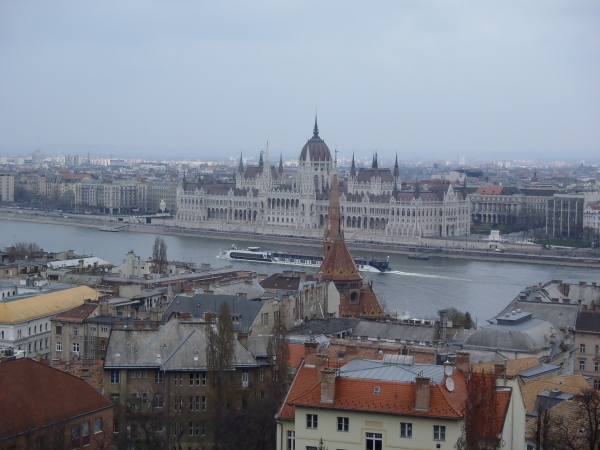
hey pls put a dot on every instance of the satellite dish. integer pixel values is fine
(450, 384)
(448, 370)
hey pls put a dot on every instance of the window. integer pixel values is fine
(103, 346)
(115, 376)
(115, 426)
(59, 346)
(312, 421)
(75, 433)
(46, 327)
(35, 330)
(203, 403)
(374, 441)
(582, 364)
(581, 348)
(291, 440)
(29, 331)
(114, 398)
(45, 342)
(264, 317)
(75, 331)
(596, 384)
(596, 367)
(597, 349)
(439, 433)
(98, 425)
(18, 333)
(58, 330)
(405, 429)
(262, 375)
(76, 346)
(159, 427)
(342, 423)
(158, 376)
(93, 328)
(198, 379)
(105, 329)
(203, 429)
(85, 433)
(245, 375)
(158, 401)
(178, 379)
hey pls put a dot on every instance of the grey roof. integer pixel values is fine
(550, 399)
(561, 315)
(197, 305)
(542, 369)
(82, 279)
(529, 336)
(252, 291)
(378, 370)
(175, 346)
(326, 326)
(257, 345)
(392, 331)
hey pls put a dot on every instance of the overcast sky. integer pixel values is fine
(484, 79)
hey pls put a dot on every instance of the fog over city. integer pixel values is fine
(425, 79)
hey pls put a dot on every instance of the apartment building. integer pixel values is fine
(372, 405)
(587, 344)
(46, 408)
(7, 187)
(160, 384)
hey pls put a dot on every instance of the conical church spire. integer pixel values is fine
(316, 128)
(396, 168)
(241, 165)
(280, 164)
(353, 167)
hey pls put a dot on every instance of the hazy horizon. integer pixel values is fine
(426, 79)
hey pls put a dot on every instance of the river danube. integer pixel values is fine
(422, 287)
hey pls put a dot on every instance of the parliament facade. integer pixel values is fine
(374, 198)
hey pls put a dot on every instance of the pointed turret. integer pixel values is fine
(353, 167)
(396, 168)
(316, 128)
(375, 166)
(395, 190)
(280, 171)
(260, 162)
(184, 181)
(241, 165)
(417, 189)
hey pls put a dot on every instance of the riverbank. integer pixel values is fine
(435, 248)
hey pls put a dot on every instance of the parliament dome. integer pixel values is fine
(315, 148)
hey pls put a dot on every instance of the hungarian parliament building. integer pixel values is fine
(263, 197)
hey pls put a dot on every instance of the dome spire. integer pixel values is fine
(241, 165)
(316, 128)
(396, 168)
(353, 167)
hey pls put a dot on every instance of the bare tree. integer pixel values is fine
(24, 250)
(159, 255)
(480, 415)
(220, 363)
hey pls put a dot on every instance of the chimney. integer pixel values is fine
(242, 337)
(310, 353)
(185, 316)
(104, 308)
(118, 325)
(153, 324)
(422, 393)
(499, 370)
(463, 361)
(351, 352)
(209, 317)
(327, 385)
(443, 324)
(139, 324)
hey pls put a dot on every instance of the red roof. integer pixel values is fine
(490, 190)
(38, 395)
(357, 395)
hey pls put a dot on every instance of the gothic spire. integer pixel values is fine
(316, 128)
(396, 168)
(281, 164)
(241, 165)
(353, 167)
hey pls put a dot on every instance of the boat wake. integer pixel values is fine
(425, 275)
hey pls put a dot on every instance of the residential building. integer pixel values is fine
(69, 335)
(162, 191)
(46, 408)
(7, 187)
(160, 382)
(25, 315)
(393, 403)
(587, 344)
(565, 213)
(591, 222)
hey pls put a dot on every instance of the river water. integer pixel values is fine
(422, 287)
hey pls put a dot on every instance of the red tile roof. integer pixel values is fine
(77, 314)
(490, 190)
(38, 395)
(357, 395)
